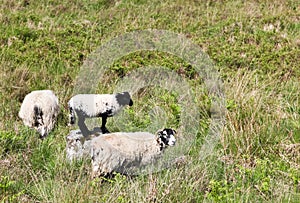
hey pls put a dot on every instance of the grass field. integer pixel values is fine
(255, 46)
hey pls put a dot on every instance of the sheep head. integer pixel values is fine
(124, 98)
(166, 138)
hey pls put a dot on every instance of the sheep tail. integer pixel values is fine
(38, 116)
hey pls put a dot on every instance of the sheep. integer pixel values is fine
(39, 110)
(125, 152)
(96, 105)
(78, 146)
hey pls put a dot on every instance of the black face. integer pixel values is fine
(167, 136)
(124, 99)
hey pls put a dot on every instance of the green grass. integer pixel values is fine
(255, 46)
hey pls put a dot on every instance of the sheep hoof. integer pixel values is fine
(42, 137)
(104, 130)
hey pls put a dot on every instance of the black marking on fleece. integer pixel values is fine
(107, 113)
(38, 116)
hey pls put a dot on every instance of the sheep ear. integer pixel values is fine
(159, 133)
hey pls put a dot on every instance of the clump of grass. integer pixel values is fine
(257, 126)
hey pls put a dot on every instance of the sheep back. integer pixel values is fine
(123, 152)
(93, 105)
(46, 101)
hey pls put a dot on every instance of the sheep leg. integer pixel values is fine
(103, 128)
(71, 117)
(84, 130)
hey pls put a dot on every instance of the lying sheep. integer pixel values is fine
(39, 110)
(96, 105)
(123, 152)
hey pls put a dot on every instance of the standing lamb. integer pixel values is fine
(39, 110)
(125, 152)
(96, 105)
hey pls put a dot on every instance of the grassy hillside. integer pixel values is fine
(255, 46)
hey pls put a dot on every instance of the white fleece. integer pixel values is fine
(94, 104)
(47, 102)
(121, 151)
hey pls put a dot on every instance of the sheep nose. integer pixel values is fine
(130, 102)
(172, 142)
